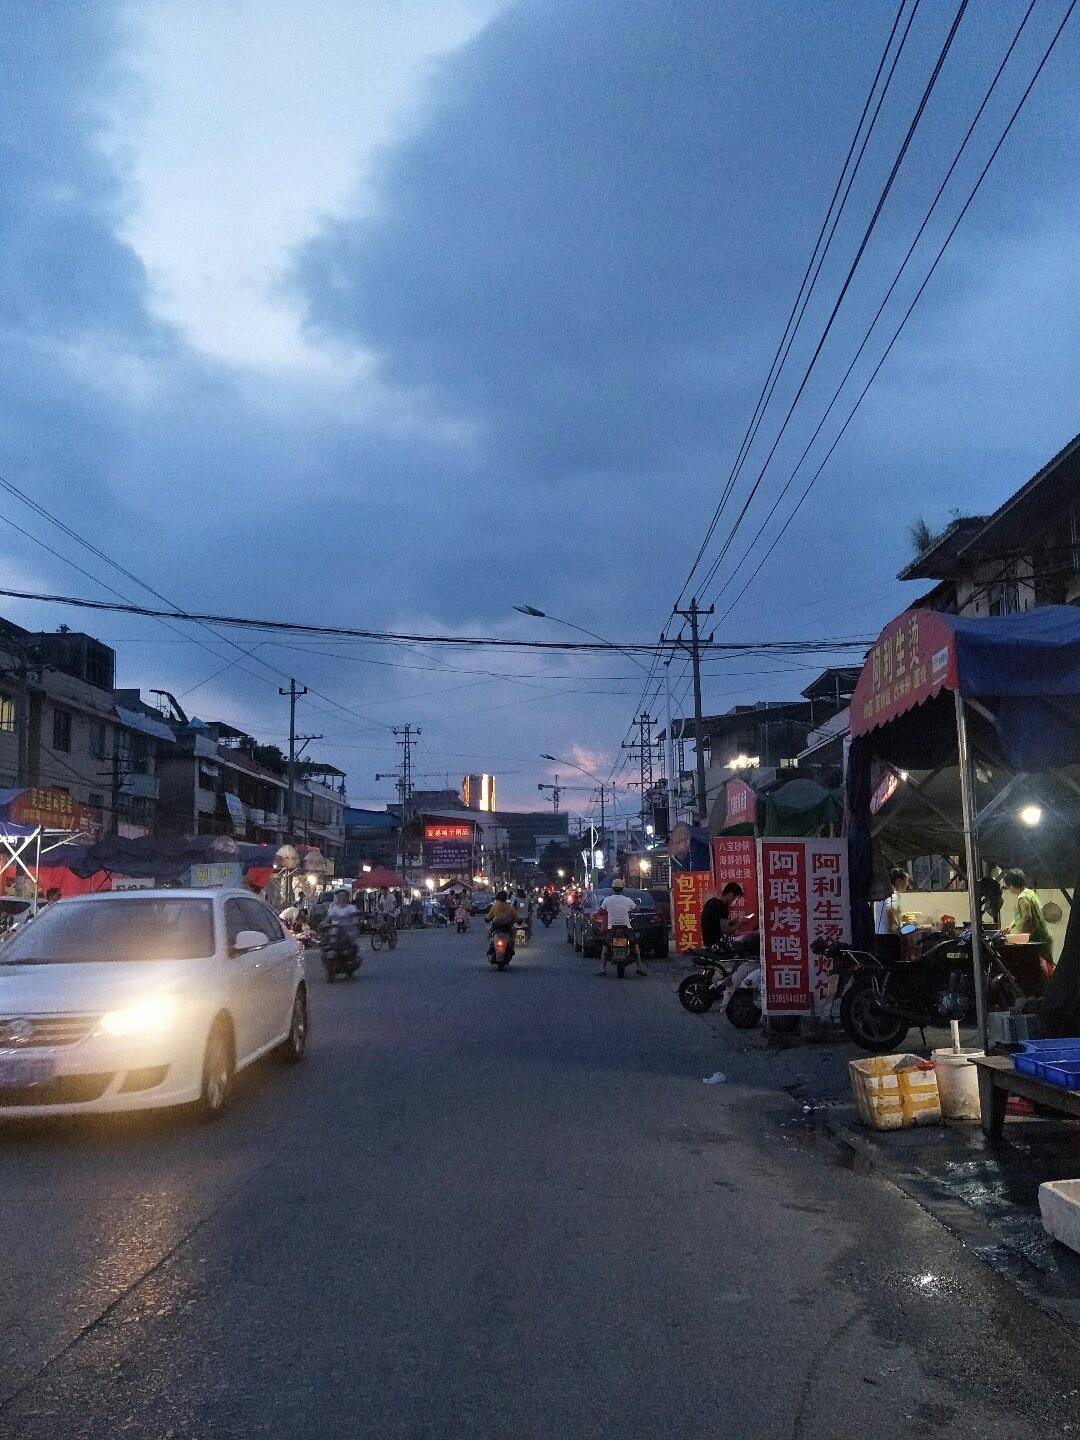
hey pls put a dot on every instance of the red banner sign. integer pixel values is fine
(52, 809)
(910, 663)
(735, 858)
(740, 804)
(805, 898)
(688, 891)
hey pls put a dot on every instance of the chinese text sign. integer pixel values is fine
(805, 897)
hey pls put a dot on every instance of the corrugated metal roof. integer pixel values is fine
(136, 720)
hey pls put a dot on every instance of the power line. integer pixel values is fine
(907, 314)
(466, 641)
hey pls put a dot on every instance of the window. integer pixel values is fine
(1004, 596)
(61, 731)
(244, 914)
(99, 740)
(7, 713)
(96, 802)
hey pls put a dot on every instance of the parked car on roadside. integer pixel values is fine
(145, 998)
(587, 927)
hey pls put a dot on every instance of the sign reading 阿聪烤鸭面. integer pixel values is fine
(804, 898)
(912, 659)
(735, 861)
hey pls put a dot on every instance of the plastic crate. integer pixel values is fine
(1061, 1043)
(1066, 1074)
(895, 1092)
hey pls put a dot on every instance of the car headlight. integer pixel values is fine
(147, 1017)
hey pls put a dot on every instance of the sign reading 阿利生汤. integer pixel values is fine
(912, 659)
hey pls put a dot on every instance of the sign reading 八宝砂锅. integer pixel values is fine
(735, 860)
(804, 897)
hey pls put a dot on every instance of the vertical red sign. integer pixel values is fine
(735, 858)
(805, 898)
(785, 948)
(688, 891)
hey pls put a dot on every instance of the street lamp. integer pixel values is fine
(543, 615)
(602, 784)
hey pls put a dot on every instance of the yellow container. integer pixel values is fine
(892, 1093)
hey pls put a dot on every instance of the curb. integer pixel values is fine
(960, 1219)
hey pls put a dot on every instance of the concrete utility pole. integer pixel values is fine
(293, 693)
(693, 615)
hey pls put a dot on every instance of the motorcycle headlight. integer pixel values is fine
(146, 1017)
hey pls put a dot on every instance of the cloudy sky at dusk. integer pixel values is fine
(394, 314)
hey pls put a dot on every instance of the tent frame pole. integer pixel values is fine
(971, 850)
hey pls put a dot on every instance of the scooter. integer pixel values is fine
(500, 951)
(546, 916)
(620, 948)
(698, 992)
(340, 954)
(521, 935)
(462, 925)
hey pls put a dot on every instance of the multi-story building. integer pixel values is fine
(218, 781)
(1026, 554)
(65, 732)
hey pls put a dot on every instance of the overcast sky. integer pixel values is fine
(396, 313)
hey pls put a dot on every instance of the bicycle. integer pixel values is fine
(386, 931)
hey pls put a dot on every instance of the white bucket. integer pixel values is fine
(958, 1083)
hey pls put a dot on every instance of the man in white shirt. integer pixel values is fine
(619, 908)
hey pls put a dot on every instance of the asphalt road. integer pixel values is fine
(497, 1205)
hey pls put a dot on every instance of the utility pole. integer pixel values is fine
(293, 693)
(410, 734)
(643, 748)
(693, 615)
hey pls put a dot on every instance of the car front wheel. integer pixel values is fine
(218, 1074)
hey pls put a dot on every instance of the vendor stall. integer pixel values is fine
(993, 701)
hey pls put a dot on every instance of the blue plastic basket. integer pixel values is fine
(1066, 1075)
(1059, 1044)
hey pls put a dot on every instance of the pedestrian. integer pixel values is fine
(717, 919)
(1028, 918)
(887, 913)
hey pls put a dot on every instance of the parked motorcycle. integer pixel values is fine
(880, 1000)
(742, 1001)
(340, 954)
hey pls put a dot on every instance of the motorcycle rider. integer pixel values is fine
(619, 908)
(342, 923)
(502, 916)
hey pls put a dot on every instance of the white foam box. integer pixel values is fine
(1059, 1205)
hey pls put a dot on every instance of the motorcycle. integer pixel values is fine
(742, 1000)
(500, 951)
(462, 924)
(546, 916)
(881, 999)
(619, 948)
(340, 954)
(521, 934)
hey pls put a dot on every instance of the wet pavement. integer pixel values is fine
(502, 1205)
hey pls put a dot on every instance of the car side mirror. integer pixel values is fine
(249, 940)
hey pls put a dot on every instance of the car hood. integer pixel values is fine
(34, 989)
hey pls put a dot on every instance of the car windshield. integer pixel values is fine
(70, 932)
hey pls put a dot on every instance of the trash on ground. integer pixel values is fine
(716, 1078)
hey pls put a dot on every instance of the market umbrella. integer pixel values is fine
(380, 878)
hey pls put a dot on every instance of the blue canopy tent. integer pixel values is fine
(940, 689)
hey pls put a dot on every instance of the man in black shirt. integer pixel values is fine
(716, 918)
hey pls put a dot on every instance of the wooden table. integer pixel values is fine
(998, 1079)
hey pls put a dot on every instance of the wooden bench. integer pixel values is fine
(998, 1079)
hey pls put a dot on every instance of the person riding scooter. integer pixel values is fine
(619, 908)
(342, 925)
(502, 916)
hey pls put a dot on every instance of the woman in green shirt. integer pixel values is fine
(1028, 919)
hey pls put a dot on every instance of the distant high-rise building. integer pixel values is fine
(478, 792)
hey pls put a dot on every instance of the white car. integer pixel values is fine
(145, 998)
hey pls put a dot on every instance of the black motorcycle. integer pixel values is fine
(699, 992)
(547, 914)
(881, 998)
(340, 954)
